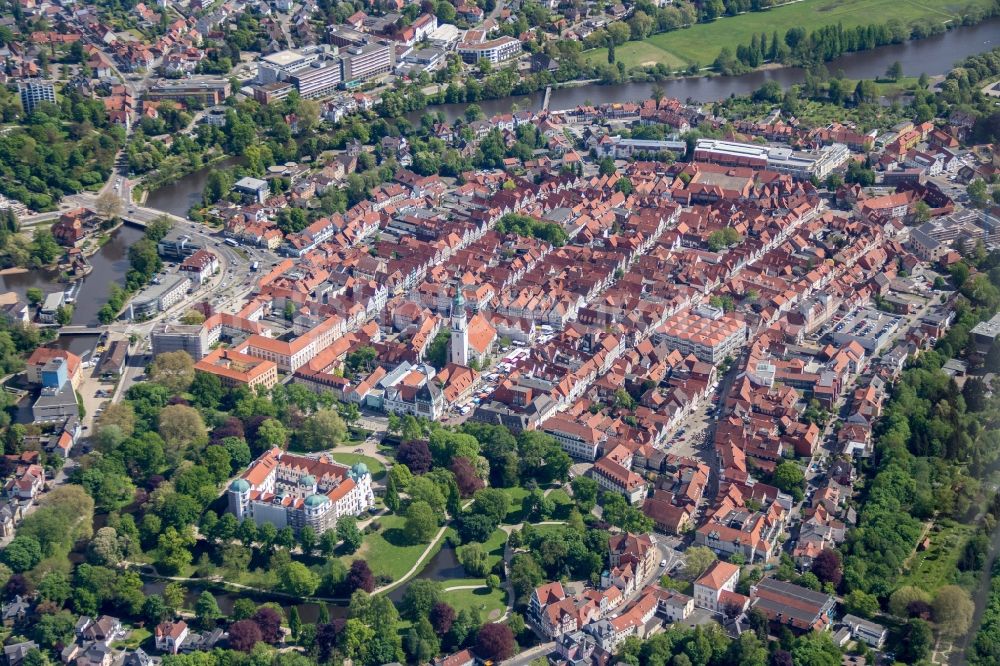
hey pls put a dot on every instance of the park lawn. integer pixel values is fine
(636, 54)
(562, 503)
(494, 547)
(491, 604)
(517, 496)
(702, 43)
(376, 468)
(548, 529)
(938, 565)
(388, 552)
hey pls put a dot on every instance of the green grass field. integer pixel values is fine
(517, 496)
(636, 54)
(387, 551)
(701, 43)
(930, 569)
(490, 604)
(376, 468)
(135, 638)
(494, 547)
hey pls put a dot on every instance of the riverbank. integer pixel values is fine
(701, 43)
(179, 195)
(934, 56)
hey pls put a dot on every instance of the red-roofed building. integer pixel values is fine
(718, 578)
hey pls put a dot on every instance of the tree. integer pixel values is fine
(900, 600)
(442, 616)
(427, 489)
(155, 610)
(420, 597)
(895, 71)
(173, 596)
(865, 91)
(206, 609)
(922, 211)
(978, 194)
(492, 503)
(953, 610)
(476, 527)
(348, 532)
(974, 392)
(297, 579)
(495, 642)
(391, 498)
(243, 635)
(307, 539)
(826, 567)
(120, 415)
(525, 574)
(64, 314)
(474, 559)
(192, 318)
(323, 430)
(789, 478)
(697, 560)
(269, 621)
(815, 649)
(108, 204)
(585, 491)
(243, 609)
(861, 603)
(181, 428)
(22, 553)
(465, 476)
(271, 434)
(207, 390)
(416, 455)
(174, 370)
(54, 587)
(294, 622)
(916, 643)
(360, 577)
(35, 296)
(421, 522)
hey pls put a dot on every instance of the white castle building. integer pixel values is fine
(288, 490)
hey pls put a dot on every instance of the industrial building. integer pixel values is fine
(206, 91)
(320, 80)
(870, 328)
(366, 61)
(985, 333)
(798, 164)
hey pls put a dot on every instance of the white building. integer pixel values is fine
(459, 331)
(495, 50)
(287, 490)
(34, 93)
(709, 589)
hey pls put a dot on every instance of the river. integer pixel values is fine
(932, 56)
(442, 567)
(178, 197)
(110, 264)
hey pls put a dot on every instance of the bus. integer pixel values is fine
(255, 265)
(230, 241)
